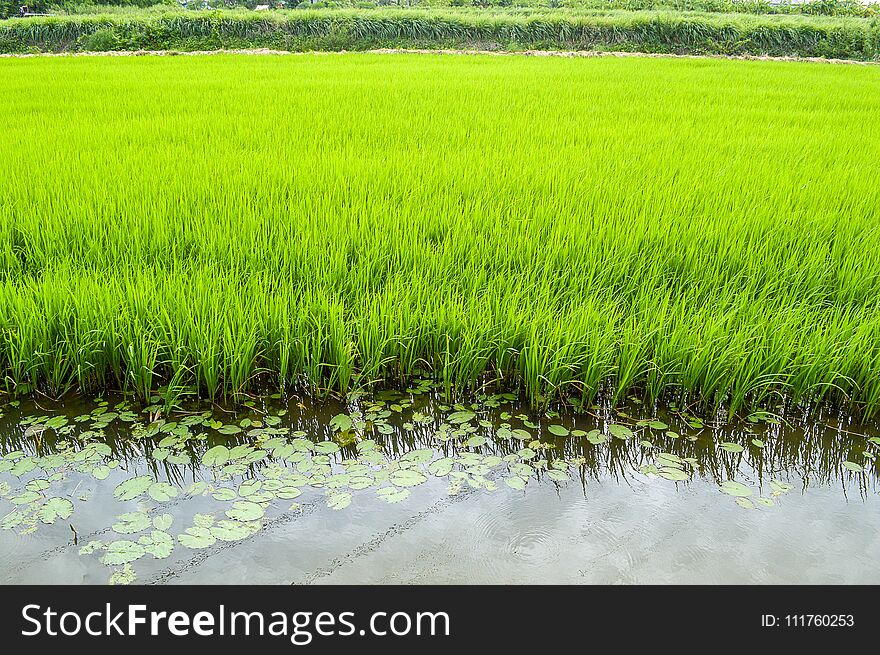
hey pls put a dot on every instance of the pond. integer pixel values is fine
(403, 487)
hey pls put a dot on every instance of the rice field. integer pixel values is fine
(703, 230)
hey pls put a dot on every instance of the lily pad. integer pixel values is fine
(244, 510)
(122, 552)
(133, 487)
(216, 456)
(737, 489)
(54, 509)
(407, 478)
(162, 491)
(620, 431)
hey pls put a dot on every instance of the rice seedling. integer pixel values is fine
(692, 228)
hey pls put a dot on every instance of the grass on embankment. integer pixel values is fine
(698, 226)
(303, 30)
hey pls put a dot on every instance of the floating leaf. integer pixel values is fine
(457, 418)
(133, 487)
(124, 576)
(852, 466)
(620, 431)
(516, 482)
(558, 430)
(54, 509)
(339, 500)
(162, 491)
(132, 522)
(197, 537)
(122, 552)
(341, 422)
(674, 474)
(441, 467)
(745, 502)
(162, 521)
(731, 447)
(407, 478)
(733, 488)
(233, 530)
(393, 494)
(244, 510)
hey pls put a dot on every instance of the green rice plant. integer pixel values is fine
(694, 229)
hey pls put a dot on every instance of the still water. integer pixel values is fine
(400, 487)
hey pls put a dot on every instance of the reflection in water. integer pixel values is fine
(128, 489)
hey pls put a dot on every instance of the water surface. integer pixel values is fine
(400, 487)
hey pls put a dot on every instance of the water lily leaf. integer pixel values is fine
(757, 443)
(475, 441)
(620, 431)
(244, 510)
(23, 467)
(133, 487)
(91, 547)
(162, 491)
(12, 520)
(197, 488)
(101, 472)
(393, 494)
(25, 497)
(283, 452)
(441, 467)
(526, 453)
(249, 487)
(766, 502)
(457, 418)
(122, 552)
(132, 522)
(338, 500)
(326, 447)
(558, 430)
(288, 492)
(558, 475)
(780, 487)
(733, 488)
(407, 478)
(674, 474)
(516, 482)
(160, 454)
(54, 509)
(233, 530)
(731, 447)
(595, 437)
(203, 520)
(178, 459)
(852, 466)
(163, 521)
(224, 494)
(159, 544)
(124, 576)
(196, 537)
(341, 423)
(745, 503)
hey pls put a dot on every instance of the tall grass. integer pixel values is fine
(355, 29)
(701, 228)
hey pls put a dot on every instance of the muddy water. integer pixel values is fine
(404, 488)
